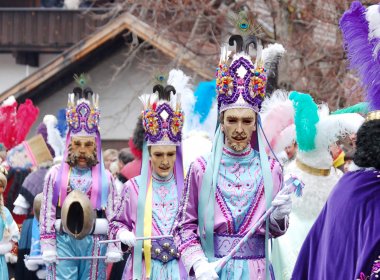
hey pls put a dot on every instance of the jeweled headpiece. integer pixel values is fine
(82, 115)
(241, 83)
(162, 116)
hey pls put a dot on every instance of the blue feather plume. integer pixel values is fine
(62, 124)
(205, 94)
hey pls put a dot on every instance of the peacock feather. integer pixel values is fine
(245, 24)
(81, 80)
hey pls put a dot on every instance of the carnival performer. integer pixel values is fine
(315, 131)
(81, 179)
(225, 194)
(9, 233)
(344, 242)
(150, 201)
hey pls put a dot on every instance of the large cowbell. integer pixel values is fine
(78, 215)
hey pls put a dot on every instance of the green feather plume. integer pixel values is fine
(245, 24)
(306, 118)
(81, 80)
(361, 108)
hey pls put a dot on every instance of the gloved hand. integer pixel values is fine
(10, 258)
(127, 237)
(31, 265)
(204, 270)
(50, 256)
(5, 247)
(283, 204)
(41, 273)
(113, 257)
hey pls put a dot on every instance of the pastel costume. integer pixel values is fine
(62, 180)
(165, 202)
(8, 232)
(149, 203)
(239, 203)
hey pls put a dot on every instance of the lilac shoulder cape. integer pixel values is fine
(344, 242)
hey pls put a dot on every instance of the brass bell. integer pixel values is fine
(165, 258)
(157, 251)
(166, 245)
(172, 252)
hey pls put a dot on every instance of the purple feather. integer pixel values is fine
(360, 51)
(41, 129)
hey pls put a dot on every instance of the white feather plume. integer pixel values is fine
(54, 138)
(272, 51)
(277, 114)
(329, 129)
(9, 101)
(373, 17)
(184, 93)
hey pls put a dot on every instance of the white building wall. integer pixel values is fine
(12, 73)
(119, 102)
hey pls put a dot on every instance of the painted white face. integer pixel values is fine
(163, 158)
(238, 126)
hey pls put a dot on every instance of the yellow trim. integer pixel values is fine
(339, 160)
(148, 230)
(374, 115)
(312, 170)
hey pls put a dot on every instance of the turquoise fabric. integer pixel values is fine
(207, 197)
(169, 271)
(238, 184)
(165, 203)
(235, 270)
(80, 269)
(8, 221)
(142, 181)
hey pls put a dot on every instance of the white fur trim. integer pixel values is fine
(101, 226)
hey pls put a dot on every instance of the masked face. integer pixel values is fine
(82, 152)
(163, 158)
(238, 126)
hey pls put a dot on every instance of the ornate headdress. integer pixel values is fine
(361, 34)
(82, 118)
(241, 83)
(162, 116)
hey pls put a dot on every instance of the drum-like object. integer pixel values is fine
(78, 215)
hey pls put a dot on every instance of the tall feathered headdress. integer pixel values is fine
(316, 130)
(16, 121)
(361, 34)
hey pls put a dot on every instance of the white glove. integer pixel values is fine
(127, 237)
(283, 204)
(50, 256)
(41, 273)
(204, 270)
(10, 258)
(31, 265)
(5, 247)
(113, 257)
